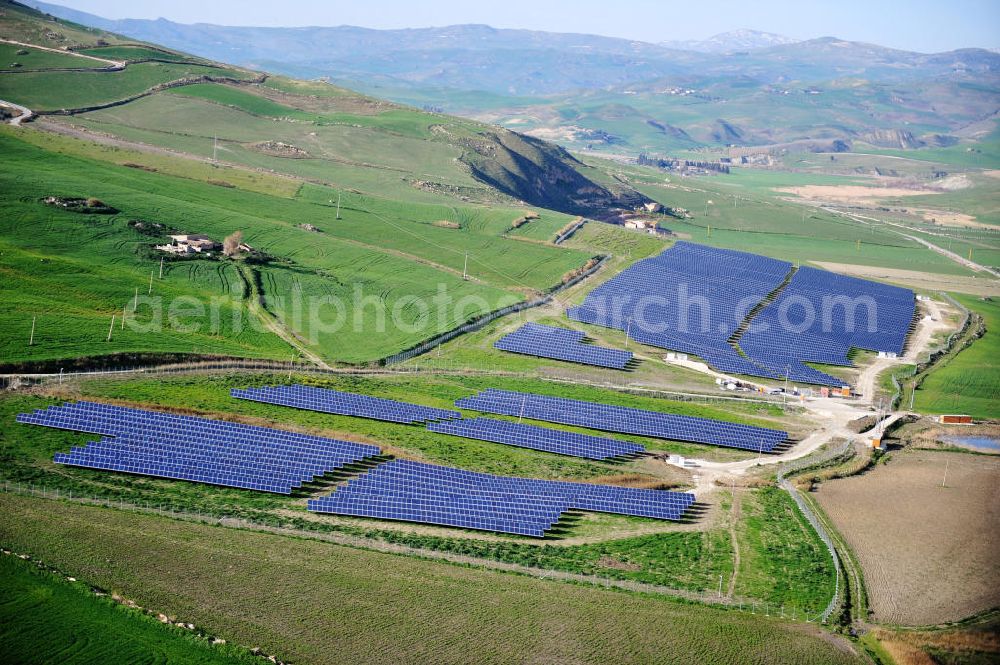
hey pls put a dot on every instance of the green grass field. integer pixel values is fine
(968, 383)
(134, 52)
(315, 602)
(48, 91)
(47, 619)
(382, 256)
(39, 59)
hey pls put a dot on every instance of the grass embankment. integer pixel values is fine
(46, 619)
(308, 601)
(51, 91)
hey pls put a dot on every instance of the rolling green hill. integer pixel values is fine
(373, 226)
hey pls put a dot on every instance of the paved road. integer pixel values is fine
(957, 258)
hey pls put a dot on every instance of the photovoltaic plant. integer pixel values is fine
(741, 313)
(689, 298)
(201, 450)
(430, 494)
(820, 316)
(535, 339)
(325, 400)
(538, 438)
(625, 420)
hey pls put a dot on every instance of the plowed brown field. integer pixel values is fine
(930, 554)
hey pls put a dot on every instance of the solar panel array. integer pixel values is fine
(537, 438)
(624, 420)
(197, 449)
(431, 494)
(690, 298)
(820, 316)
(344, 404)
(535, 339)
(695, 299)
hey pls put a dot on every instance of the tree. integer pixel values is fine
(231, 245)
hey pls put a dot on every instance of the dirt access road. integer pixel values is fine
(831, 414)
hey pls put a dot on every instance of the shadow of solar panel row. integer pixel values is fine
(534, 339)
(537, 438)
(624, 420)
(196, 449)
(690, 298)
(820, 316)
(431, 494)
(325, 400)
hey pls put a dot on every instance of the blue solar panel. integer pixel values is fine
(696, 299)
(196, 449)
(346, 404)
(534, 339)
(820, 316)
(537, 438)
(624, 420)
(690, 298)
(418, 492)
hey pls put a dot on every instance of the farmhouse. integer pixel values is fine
(189, 244)
(641, 224)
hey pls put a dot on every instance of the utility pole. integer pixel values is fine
(151, 282)
(135, 303)
(161, 267)
(465, 269)
(31, 338)
(521, 415)
(784, 393)
(338, 205)
(124, 308)
(945, 479)
(111, 329)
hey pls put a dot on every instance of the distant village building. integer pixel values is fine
(641, 224)
(189, 244)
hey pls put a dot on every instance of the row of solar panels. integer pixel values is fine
(625, 420)
(543, 341)
(430, 494)
(197, 449)
(259, 458)
(538, 438)
(345, 404)
(592, 415)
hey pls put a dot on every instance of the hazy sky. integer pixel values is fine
(917, 25)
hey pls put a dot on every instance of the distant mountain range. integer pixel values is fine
(743, 87)
(528, 62)
(728, 42)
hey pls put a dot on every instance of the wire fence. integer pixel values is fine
(838, 597)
